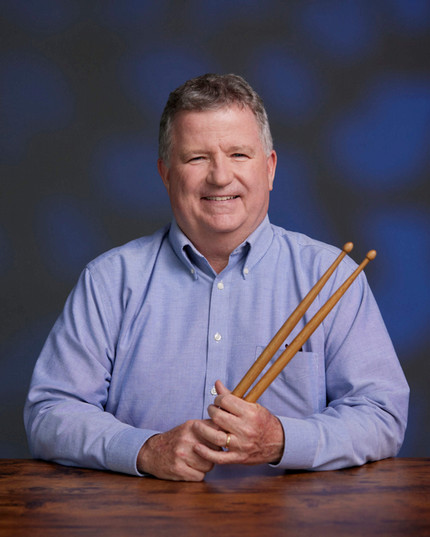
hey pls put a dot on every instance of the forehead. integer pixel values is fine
(225, 122)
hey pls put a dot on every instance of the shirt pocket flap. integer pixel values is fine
(296, 391)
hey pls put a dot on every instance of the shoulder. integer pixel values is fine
(307, 252)
(135, 256)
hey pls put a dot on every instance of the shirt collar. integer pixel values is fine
(249, 252)
(259, 242)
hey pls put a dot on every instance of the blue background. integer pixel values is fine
(82, 85)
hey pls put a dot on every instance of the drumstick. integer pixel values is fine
(305, 334)
(287, 327)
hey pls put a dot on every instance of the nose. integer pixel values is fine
(219, 173)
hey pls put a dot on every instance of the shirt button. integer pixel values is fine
(246, 270)
(217, 336)
(220, 285)
(213, 391)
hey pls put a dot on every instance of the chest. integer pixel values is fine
(186, 333)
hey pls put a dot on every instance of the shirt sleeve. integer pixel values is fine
(367, 393)
(64, 412)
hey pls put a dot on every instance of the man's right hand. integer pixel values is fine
(171, 455)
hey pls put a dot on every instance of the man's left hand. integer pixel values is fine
(249, 433)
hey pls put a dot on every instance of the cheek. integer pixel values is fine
(262, 186)
(187, 184)
(182, 196)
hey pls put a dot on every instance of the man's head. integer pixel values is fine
(217, 163)
(212, 92)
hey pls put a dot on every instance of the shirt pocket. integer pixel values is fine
(298, 391)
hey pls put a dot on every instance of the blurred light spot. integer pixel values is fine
(383, 142)
(286, 83)
(148, 78)
(402, 238)
(294, 203)
(125, 174)
(341, 29)
(68, 235)
(43, 16)
(34, 97)
(410, 15)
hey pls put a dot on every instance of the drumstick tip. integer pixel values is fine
(371, 255)
(347, 247)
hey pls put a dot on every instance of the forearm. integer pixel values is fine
(79, 434)
(343, 435)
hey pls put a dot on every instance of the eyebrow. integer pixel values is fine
(189, 152)
(241, 149)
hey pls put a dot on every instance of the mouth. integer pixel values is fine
(219, 198)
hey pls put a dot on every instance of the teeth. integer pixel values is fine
(220, 198)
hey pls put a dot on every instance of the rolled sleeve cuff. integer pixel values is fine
(301, 443)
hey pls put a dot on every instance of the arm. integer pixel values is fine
(65, 413)
(367, 394)
(367, 400)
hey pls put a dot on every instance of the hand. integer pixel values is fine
(256, 435)
(171, 455)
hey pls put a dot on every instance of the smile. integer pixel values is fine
(220, 198)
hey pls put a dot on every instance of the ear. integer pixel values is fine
(272, 159)
(163, 170)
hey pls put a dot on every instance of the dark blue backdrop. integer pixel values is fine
(82, 85)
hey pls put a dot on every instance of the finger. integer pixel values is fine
(220, 388)
(190, 466)
(210, 434)
(233, 404)
(218, 457)
(222, 391)
(187, 453)
(170, 455)
(222, 419)
(198, 464)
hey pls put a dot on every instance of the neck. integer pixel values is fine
(217, 251)
(216, 247)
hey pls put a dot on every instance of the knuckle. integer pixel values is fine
(178, 452)
(249, 431)
(220, 437)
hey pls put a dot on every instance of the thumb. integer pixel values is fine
(220, 388)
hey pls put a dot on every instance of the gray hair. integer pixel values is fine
(211, 92)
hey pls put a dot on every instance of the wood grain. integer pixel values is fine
(390, 497)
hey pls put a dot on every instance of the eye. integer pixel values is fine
(195, 159)
(240, 156)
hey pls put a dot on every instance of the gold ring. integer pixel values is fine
(227, 442)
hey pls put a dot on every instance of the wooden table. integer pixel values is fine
(385, 498)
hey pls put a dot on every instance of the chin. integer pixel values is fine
(223, 228)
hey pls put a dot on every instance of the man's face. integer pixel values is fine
(219, 176)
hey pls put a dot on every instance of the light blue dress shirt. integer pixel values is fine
(150, 327)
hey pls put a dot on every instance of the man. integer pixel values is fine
(136, 373)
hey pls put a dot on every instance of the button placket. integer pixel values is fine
(217, 336)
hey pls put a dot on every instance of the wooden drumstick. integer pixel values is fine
(305, 334)
(285, 330)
